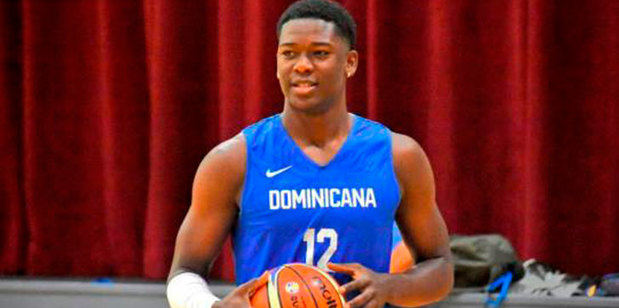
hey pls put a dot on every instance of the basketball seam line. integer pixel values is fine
(279, 296)
(306, 285)
(334, 283)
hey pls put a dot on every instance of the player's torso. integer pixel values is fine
(293, 210)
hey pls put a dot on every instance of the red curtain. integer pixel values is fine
(108, 106)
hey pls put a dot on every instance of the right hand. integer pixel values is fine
(239, 297)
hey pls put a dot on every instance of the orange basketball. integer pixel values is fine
(298, 285)
(401, 259)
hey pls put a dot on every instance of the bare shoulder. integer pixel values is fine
(213, 207)
(406, 151)
(224, 165)
(412, 167)
(231, 152)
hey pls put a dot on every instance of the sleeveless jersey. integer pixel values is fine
(294, 210)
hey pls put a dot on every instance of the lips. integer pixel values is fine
(304, 83)
(304, 86)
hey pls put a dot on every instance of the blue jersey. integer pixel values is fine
(294, 210)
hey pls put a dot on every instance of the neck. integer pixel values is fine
(317, 129)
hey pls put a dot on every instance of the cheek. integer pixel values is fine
(335, 78)
(282, 75)
(281, 69)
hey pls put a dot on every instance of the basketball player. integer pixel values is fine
(314, 184)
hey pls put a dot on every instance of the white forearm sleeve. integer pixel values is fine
(189, 290)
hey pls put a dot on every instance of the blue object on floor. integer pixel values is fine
(503, 281)
(103, 280)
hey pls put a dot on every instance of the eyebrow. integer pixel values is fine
(313, 44)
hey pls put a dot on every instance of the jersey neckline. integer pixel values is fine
(309, 161)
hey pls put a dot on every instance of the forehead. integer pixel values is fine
(308, 30)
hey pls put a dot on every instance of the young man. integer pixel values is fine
(315, 184)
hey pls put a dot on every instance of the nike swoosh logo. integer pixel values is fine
(271, 174)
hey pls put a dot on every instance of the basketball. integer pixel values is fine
(401, 259)
(298, 285)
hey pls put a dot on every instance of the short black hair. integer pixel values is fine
(326, 10)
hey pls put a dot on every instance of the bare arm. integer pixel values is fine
(423, 229)
(216, 191)
(213, 209)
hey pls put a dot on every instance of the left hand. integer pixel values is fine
(372, 286)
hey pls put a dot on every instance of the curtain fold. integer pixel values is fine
(12, 211)
(124, 148)
(109, 106)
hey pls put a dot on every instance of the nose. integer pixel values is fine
(303, 65)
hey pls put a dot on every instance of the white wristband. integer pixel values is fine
(189, 290)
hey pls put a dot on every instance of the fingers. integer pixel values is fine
(362, 299)
(354, 285)
(374, 304)
(346, 268)
(250, 286)
(246, 287)
(262, 280)
(364, 280)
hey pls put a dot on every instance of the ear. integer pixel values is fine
(352, 60)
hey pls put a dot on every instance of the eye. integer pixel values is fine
(287, 53)
(321, 53)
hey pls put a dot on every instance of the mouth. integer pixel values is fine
(304, 87)
(304, 84)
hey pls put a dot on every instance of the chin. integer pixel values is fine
(308, 105)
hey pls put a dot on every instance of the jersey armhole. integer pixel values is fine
(394, 174)
(246, 175)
